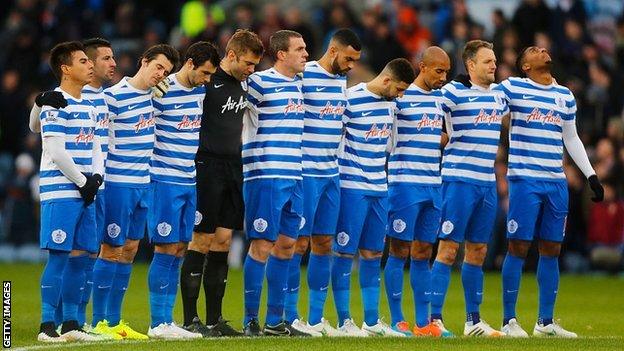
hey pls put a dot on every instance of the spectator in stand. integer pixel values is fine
(530, 17)
(606, 234)
(411, 35)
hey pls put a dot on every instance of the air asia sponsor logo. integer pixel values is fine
(330, 109)
(189, 124)
(487, 118)
(103, 120)
(146, 121)
(376, 132)
(85, 135)
(293, 106)
(549, 118)
(231, 104)
(426, 122)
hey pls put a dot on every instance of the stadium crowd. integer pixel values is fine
(585, 40)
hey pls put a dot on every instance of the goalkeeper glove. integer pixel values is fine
(51, 98)
(160, 89)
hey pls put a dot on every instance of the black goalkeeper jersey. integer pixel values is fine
(222, 120)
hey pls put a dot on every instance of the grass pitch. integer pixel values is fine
(592, 306)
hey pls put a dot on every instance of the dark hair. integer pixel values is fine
(520, 61)
(91, 45)
(280, 41)
(347, 37)
(244, 40)
(61, 54)
(400, 69)
(201, 52)
(471, 48)
(161, 49)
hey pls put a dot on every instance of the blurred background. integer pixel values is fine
(585, 39)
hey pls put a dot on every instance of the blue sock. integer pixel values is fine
(58, 313)
(318, 283)
(51, 283)
(370, 272)
(86, 293)
(172, 290)
(292, 294)
(393, 280)
(118, 290)
(440, 279)
(73, 286)
(420, 280)
(103, 274)
(253, 275)
(511, 272)
(158, 284)
(277, 282)
(341, 284)
(472, 280)
(548, 283)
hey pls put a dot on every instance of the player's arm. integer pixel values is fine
(97, 158)
(576, 150)
(47, 98)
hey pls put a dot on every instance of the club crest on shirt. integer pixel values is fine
(58, 236)
(376, 132)
(560, 101)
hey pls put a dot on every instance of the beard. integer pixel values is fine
(336, 68)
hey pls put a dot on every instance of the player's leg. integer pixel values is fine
(525, 208)
(191, 276)
(478, 234)
(294, 280)
(551, 234)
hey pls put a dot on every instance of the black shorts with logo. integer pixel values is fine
(219, 192)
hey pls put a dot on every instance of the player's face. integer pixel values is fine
(244, 65)
(201, 75)
(345, 59)
(435, 74)
(484, 65)
(104, 64)
(537, 57)
(394, 89)
(157, 69)
(81, 68)
(296, 56)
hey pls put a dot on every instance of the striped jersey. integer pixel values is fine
(362, 153)
(130, 134)
(325, 100)
(97, 98)
(473, 121)
(76, 124)
(178, 121)
(416, 155)
(273, 127)
(537, 116)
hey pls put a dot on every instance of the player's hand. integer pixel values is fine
(90, 189)
(597, 188)
(51, 98)
(160, 89)
(464, 79)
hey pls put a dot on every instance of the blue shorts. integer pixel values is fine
(100, 202)
(537, 209)
(468, 212)
(172, 213)
(273, 207)
(125, 213)
(414, 212)
(68, 225)
(321, 204)
(362, 223)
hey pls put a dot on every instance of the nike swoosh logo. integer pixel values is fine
(177, 106)
(277, 90)
(320, 88)
(249, 291)
(364, 114)
(396, 294)
(427, 293)
(163, 286)
(132, 107)
(479, 293)
(76, 115)
(437, 294)
(195, 274)
(346, 274)
(324, 288)
(46, 286)
(412, 104)
(511, 291)
(217, 86)
(527, 96)
(122, 333)
(472, 99)
(103, 287)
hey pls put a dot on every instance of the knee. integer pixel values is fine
(475, 254)
(200, 243)
(302, 245)
(399, 248)
(110, 253)
(221, 244)
(259, 249)
(321, 244)
(447, 253)
(421, 251)
(367, 254)
(518, 248)
(129, 250)
(549, 248)
(167, 249)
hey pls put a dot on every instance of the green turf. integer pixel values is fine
(592, 306)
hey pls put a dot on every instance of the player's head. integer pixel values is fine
(289, 50)
(100, 52)
(533, 59)
(201, 61)
(243, 52)
(344, 49)
(480, 61)
(434, 67)
(69, 62)
(157, 62)
(396, 78)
